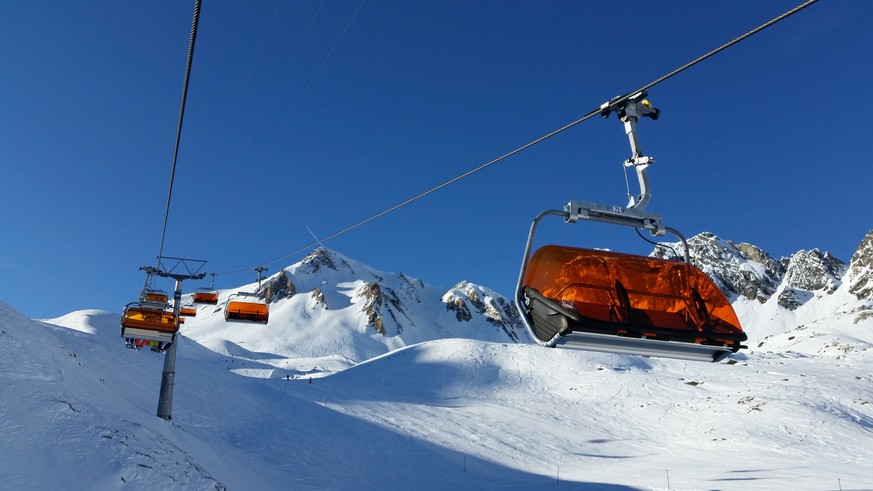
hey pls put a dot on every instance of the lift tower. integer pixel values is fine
(178, 269)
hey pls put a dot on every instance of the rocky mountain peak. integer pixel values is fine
(741, 269)
(320, 260)
(807, 272)
(279, 287)
(814, 270)
(861, 269)
(738, 269)
(465, 298)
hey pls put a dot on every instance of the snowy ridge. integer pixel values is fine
(861, 269)
(810, 303)
(329, 312)
(744, 270)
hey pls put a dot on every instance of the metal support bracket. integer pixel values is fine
(629, 110)
(179, 269)
(577, 210)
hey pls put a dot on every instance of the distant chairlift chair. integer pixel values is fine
(246, 306)
(150, 319)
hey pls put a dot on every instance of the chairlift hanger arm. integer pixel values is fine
(629, 110)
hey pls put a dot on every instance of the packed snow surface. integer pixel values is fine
(77, 410)
(318, 399)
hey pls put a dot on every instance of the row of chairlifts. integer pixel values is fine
(152, 322)
(569, 297)
(239, 306)
(621, 303)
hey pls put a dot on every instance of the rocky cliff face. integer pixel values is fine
(738, 269)
(861, 269)
(381, 301)
(466, 300)
(743, 270)
(393, 305)
(807, 272)
(279, 287)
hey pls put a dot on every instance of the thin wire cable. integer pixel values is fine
(728, 44)
(190, 59)
(309, 84)
(596, 111)
(251, 73)
(269, 104)
(658, 244)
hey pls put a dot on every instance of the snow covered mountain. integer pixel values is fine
(371, 380)
(329, 312)
(744, 270)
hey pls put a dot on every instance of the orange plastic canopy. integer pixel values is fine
(661, 290)
(254, 311)
(151, 319)
(155, 296)
(206, 297)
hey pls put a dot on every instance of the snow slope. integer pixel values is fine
(370, 380)
(77, 411)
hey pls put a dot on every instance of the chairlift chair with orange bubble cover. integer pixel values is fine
(246, 306)
(143, 321)
(622, 303)
(150, 319)
(206, 295)
(608, 301)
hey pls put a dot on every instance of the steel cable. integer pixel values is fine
(190, 59)
(613, 102)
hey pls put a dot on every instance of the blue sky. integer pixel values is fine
(320, 114)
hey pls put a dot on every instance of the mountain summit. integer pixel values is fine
(329, 312)
(861, 269)
(743, 270)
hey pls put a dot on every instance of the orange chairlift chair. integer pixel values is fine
(246, 306)
(207, 295)
(621, 303)
(154, 296)
(150, 319)
(188, 311)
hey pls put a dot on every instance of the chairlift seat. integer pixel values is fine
(577, 296)
(206, 295)
(154, 296)
(246, 306)
(140, 321)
